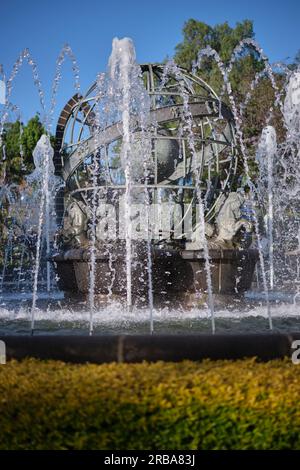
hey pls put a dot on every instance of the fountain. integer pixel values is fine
(158, 162)
(147, 209)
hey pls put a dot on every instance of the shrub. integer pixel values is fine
(188, 405)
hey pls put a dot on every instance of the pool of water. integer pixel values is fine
(56, 316)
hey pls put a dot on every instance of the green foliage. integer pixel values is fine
(31, 134)
(222, 38)
(11, 139)
(188, 405)
(197, 35)
(20, 139)
(18, 143)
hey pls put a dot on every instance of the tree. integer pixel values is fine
(222, 38)
(198, 35)
(18, 144)
(11, 141)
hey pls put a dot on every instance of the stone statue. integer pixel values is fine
(75, 224)
(234, 214)
(196, 242)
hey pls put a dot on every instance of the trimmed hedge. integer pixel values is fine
(188, 405)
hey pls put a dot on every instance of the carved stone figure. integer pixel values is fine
(232, 218)
(196, 242)
(75, 224)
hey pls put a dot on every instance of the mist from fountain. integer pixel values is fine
(266, 154)
(121, 63)
(45, 183)
(120, 94)
(123, 92)
(188, 121)
(209, 52)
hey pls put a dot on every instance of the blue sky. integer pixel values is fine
(155, 26)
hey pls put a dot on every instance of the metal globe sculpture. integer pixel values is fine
(182, 107)
(212, 125)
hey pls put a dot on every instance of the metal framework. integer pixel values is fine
(212, 127)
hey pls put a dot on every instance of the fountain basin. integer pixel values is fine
(175, 274)
(139, 348)
(231, 269)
